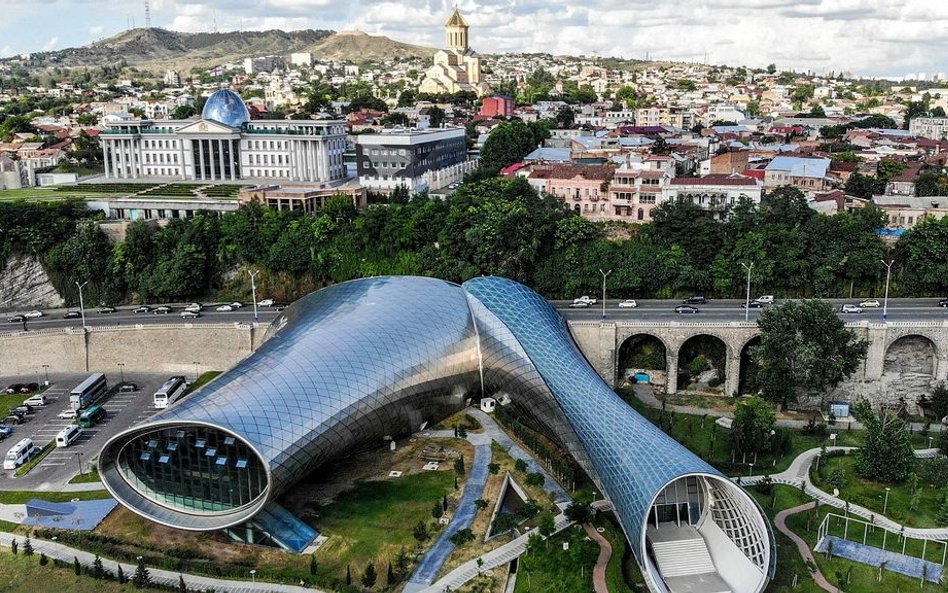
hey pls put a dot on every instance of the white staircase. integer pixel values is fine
(683, 557)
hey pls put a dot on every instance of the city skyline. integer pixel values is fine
(815, 35)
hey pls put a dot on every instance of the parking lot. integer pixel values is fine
(60, 465)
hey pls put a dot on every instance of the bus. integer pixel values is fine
(88, 391)
(170, 392)
(68, 435)
(19, 454)
(92, 416)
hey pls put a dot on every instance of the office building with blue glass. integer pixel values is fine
(355, 365)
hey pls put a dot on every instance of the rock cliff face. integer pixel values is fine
(25, 282)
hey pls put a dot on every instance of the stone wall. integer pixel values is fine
(24, 280)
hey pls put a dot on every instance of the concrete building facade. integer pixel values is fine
(416, 159)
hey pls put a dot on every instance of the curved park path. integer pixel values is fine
(780, 522)
(605, 553)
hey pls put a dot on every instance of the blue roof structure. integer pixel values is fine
(226, 107)
(800, 167)
(553, 155)
(81, 515)
(351, 366)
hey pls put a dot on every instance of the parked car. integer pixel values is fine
(767, 299)
(870, 304)
(128, 388)
(5, 431)
(686, 310)
(72, 315)
(628, 304)
(943, 303)
(36, 400)
(24, 410)
(850, 308)
(695, 300)
(106, 310)
(14, 420)
(225, 308)
(585, 299)
(266, 303)
(162, 310)
(753, 305)
(68, 414)
(142, 309)
(578, 305)
(189, 314)
(33, 314)
(22, 388)
(16, 319)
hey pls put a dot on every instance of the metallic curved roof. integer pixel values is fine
(226, 106)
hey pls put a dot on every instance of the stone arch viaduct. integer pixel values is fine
(602, 342)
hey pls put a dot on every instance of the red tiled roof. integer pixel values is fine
(603, 172)
(714, 180)
(757, 174)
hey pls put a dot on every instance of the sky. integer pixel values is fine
(864, 37)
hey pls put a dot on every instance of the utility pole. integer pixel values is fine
(82, 309)
(885, 301)
(147, 16)
(604, 276)
(253, 288)
(747, 301)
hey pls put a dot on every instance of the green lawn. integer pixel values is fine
(622, 560)
(24, 574)
(203, 380)
(29, 465)
(871, 494)
(548, 568)
(21, 496)
(86, 478)
(375, 520)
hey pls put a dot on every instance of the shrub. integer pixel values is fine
(535, 479)
(462, 537)
(520, 465)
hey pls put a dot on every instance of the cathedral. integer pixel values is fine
(456, 67)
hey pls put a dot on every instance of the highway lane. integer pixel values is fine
(717, 310)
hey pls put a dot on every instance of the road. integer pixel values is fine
(723, 310)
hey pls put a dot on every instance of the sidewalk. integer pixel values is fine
(605, 553)
(163, 577)
(780, 522)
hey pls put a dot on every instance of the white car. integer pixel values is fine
(68, 415)
(266, 303)
(224, 308)
(194, 308)
(585, 299)
(767, 299)
(870, 304)
(850, 308)
(628, 304)
(33, 314)
(578, 305)
(236, 304)
(189, 314)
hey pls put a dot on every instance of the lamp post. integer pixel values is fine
(46, 370)
(604, 276)
(253, 289)
(888, 275)
(885, 505)
(79, 461)
(196, 374)
(82, 309)
(253, 575)
(121, 367)
(747, 301)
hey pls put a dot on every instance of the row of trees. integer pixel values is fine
(495, 226)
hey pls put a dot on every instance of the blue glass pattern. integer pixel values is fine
(226, 106)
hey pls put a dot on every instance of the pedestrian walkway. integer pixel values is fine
(799, 473)
(780, 522)
(605, 553)
(167, 578)
(893, 561)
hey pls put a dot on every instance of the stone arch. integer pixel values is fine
(909, 369)
(642, 351)
(697, 357)
(745, 382)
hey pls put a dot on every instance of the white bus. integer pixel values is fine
(88, 391)
(68, 435)
(19, 454)
(170, 392)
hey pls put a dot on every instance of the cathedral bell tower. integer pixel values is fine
(456, 33)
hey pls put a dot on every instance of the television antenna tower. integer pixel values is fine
(147, 16)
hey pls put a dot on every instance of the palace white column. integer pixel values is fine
(182, 162)
(123, 167)
(105, 158)
(220, 156)
(323, 147)
(200, 159)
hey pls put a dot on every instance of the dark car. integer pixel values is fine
(14, 420)
(279, 307)
(5, 431)
(695, 300)
(128, 388)
(22, 410)
(72, 315)
(142, 309)
(943, 303)
(686, 310)
(162, 310)
(753, 305)
(16, 319)
(104, 310)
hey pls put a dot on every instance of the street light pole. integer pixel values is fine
(196, 374)
(253, 288)
(604, 276)
(885, 301)
(747, 302)
(885, 505)
(79, 460)
(121, 367)
(82, 309)
(46, 370)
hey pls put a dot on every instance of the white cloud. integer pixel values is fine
(96, 30)
(51, 44)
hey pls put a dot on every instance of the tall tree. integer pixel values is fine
(752, 426)
(887, 454)
(507, 144)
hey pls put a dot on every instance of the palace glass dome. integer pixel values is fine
(226, 106)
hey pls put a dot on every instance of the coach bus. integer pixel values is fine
(88, 391)
(170, 392)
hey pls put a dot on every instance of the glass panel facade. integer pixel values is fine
(174, 468)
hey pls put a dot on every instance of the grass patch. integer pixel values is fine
(204, 379)
(29, 465)
(622, 568)
(546, 566)
(375, 520)
(87, 477)
(871, 494)
(24, 574)
(21, 496)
